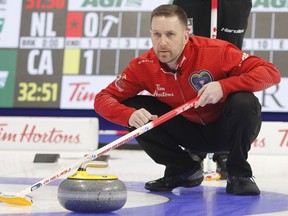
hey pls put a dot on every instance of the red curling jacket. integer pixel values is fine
(203, 60)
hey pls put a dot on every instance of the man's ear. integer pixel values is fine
(186, 36)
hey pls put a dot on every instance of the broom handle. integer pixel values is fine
(107, 148)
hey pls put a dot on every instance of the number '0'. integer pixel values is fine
(92, 23)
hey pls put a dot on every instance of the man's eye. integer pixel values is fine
(170, 34)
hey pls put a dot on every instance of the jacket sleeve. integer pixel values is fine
(246, 72)
(107, 102)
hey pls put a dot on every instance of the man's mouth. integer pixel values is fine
(164, 51)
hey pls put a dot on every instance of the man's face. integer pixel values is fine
(169, 37)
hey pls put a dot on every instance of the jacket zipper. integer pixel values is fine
(179, 86)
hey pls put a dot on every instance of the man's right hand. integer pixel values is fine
(140, 117)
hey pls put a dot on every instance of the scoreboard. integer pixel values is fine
(61, 53)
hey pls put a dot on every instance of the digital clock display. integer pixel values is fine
(34, 92)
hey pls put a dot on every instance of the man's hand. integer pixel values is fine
(140, 117)
(210, 93)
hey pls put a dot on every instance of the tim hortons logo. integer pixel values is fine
(31, 134)
(262, 141)
(284, 141)
(80, 92)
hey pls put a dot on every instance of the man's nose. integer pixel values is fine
(163, 40)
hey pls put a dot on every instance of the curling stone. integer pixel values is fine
(86, 193)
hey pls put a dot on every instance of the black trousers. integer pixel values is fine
(232, 18)
(234, 131)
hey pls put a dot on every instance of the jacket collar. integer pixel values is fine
(166, 69)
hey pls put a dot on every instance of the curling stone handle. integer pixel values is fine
(93, 164)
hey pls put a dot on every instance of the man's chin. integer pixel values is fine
(164, 60)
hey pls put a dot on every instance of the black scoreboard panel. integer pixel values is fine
(40, 54)
(126, 39)
(54, 43)
(267, 37)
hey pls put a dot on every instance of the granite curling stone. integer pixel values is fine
(86, 193)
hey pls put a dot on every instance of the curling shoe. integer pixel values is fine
(167, 184)
(242, 186)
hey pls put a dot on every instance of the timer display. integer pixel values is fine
(45, 4)
(33, 92)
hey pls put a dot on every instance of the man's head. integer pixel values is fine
(169, 33)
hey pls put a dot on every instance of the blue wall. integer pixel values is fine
(104, 124)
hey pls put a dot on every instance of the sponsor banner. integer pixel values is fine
(115, 5)
(49, 133)
(275, 98)
(8, 59)
(10, 16)
(269, 6)
(272, 139)
(78, 92)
